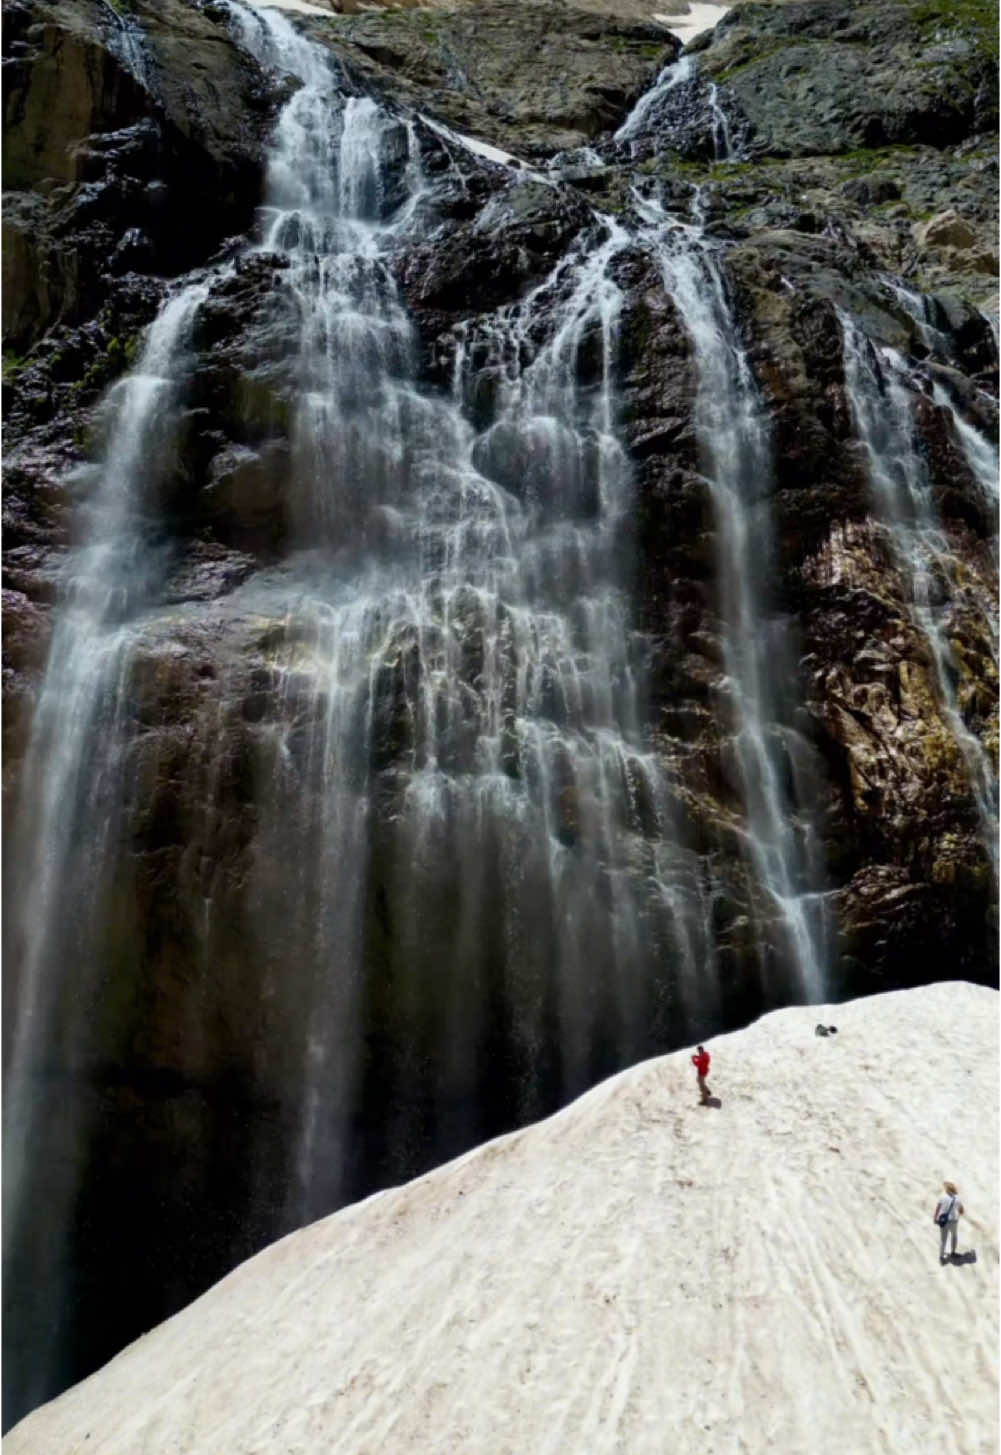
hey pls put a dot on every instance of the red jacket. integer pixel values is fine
(701, 1063)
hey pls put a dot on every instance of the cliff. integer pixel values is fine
(473, 627)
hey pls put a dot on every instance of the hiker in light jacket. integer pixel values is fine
(950, 1208)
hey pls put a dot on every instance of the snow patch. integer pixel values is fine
(699, 18)
(763, 1270)
(301, 6)
(485, 150)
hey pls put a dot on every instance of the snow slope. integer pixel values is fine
(636, 1274)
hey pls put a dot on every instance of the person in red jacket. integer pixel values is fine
(701, 1064)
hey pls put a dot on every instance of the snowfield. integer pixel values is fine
(636, 1274)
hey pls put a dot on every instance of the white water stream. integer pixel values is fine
(678, 73)
(758, 695)
(882, 391)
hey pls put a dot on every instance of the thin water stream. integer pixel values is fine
(882, 393)
(758, 696)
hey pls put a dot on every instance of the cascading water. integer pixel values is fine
(881, 391)
(735, 459)
(127, 43)
(465, 897)
(475, 752)
(653, 110)
(524, 836)
(980, 452)
(679, 73)
(722, 140)
(73, 772)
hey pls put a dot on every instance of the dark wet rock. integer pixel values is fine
(514, 238)
(245, 498)
(529, 77)
(887, 918)
(208, 570)
(829, 76)
(110, 132)
(26, 629)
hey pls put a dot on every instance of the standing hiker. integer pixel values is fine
(701, 1064)
(948, 1211)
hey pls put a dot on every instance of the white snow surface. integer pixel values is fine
(302, 7)
(697, 19)
(636, 1274)
(484, 149)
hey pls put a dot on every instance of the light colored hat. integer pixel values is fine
(951, 1188)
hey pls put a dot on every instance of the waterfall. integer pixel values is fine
(980, 453)
(466, 895)
(70, 810)
(734, 455)
(722, 140)
(126, 41)
(650, 110)
(678, 73)
(477, 673)
(110, 578)
(475, 758)
(881, 391)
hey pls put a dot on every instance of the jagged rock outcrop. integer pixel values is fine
(534, 78)
(135, 159)
(124, 155)
(830, 77)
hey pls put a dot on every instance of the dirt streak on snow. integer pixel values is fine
(637, 1274)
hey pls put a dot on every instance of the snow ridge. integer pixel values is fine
(635, 1270)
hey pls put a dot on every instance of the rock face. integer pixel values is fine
(814, 80)
(535, 79)
(852, 228)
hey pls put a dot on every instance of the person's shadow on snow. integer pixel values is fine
(712, 1101)
(958, 1259)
